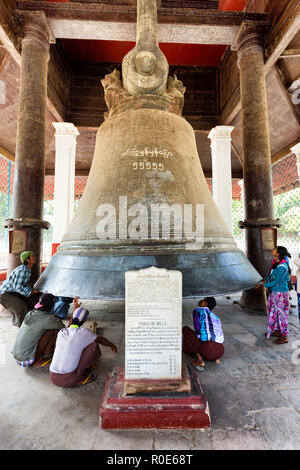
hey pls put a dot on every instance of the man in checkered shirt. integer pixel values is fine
(15, 293)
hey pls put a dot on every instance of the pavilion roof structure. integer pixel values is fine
(90, 39)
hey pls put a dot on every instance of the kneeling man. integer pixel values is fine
(206, 342)
(36, 338)
(76, 352)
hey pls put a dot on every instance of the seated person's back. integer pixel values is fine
(38, 323)
(69, 346)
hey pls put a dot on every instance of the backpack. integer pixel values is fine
(61, 307)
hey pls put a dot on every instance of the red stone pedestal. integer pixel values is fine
(162, 410)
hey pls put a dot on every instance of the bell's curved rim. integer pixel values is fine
(103, 277)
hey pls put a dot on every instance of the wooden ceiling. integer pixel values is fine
(208, 71)
(176, 53)
(80, 50)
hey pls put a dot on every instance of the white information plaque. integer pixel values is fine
(153, 323)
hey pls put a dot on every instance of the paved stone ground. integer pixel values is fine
(253, 394)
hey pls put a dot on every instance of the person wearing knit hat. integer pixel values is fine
(16, 295)
(79, 316)
(36, 338)
(25, 255)
(76, 351)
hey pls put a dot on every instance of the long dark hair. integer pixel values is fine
(211, 302)
(282, 251)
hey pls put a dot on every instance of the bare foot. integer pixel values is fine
(199, 361)
(217, 361)
(197, 365)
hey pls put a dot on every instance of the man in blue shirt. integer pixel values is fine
(16, 295)
(206, 341)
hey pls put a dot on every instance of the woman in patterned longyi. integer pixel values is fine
(278, 300)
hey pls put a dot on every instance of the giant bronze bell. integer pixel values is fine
(145, 161)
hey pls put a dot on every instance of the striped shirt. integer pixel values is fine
(207, 325)
(17, 281)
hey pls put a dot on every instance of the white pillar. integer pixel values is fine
(296, 151)
(221, 171)
(64, 180)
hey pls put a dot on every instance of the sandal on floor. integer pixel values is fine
(86, 380)
(275, 333)
(281, 340)
(198, 368)
(42, 363)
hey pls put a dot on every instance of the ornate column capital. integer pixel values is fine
(65, 129)
(250, 38)
(221, 133)
(35, 29)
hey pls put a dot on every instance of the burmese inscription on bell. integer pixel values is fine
(153, 324)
